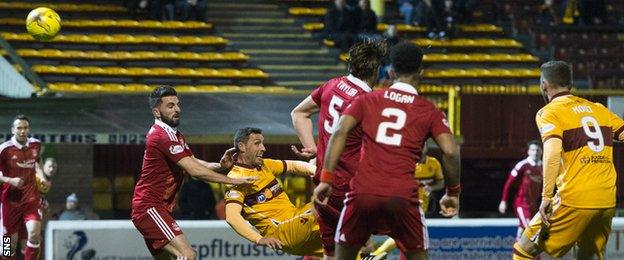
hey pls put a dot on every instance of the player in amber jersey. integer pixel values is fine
(527, 176)
(278, 223)
(20, 199)
(383, 195)
(167, 157)
(578, 160)
(329, 101)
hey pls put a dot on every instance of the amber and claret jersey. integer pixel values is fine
(587, 176)
(333, 98)
(395, 122)
(265, 204)
(427, 173)
(18, 160)
(160, 178)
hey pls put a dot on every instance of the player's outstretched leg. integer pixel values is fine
(525, 249)
(179, 248)
(346, 253)
(33, 228)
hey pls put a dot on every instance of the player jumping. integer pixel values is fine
(167, 157)
(578, 159)
(329, 101)
(383, 195)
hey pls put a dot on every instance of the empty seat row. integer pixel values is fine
(122, 39)
(472, 57)
(151, 72)
(64, 7)
(132, 55)
(459, 43)
(146, 24)
(143, 88)
(410, 28)
(481, 73)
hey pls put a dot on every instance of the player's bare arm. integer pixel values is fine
(300, 168)
(302, 122)
(335, 147)
(449, 204)
(552, 162)
(201, 172)
(224, 165)
(239, 224)
(15, 182)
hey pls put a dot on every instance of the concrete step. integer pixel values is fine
(296, 67)
(286, 52)
(251, 21)
(289, 60)
(300, 84)
(241, 5)
(233, 36)
(300, 44)
(227, 28)
(244, 13)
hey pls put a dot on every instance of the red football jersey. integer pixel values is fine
(18, 160)
(333, 98)
(396, 123)
(161, 177)
(529, 174)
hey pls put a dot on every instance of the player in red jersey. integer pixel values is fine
(167, 157)
(21, 202)
(383, 196)
(329, 101)
(528, 174)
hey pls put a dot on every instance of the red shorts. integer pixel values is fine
(524, 215)
(328, 217)
(399, 218)
(157, 227)
(15, 215)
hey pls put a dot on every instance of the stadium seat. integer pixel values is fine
(151, 72)
(124, 184)
(122, 39)
(469, 43)
(142, 88)
(305, 11)
(102, 193)
(471, 57)
(64, 7)
(403, 28)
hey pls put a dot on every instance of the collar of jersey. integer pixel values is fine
(560, 94)
(359, 83)
(17, 144)
(164, 125)
(404, 87)
(247, 166)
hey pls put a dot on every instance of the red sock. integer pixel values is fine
(32, 251)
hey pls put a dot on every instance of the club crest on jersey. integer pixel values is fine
(176, 149)
(261, 198)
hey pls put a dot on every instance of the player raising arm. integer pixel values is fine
(383, 196)
(278, 223)
(167, 157)
(578, 160)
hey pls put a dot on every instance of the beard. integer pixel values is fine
(173, 122)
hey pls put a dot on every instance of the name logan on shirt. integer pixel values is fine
(398, 97)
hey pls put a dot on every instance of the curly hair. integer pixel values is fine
(406, 58)
(365, 58)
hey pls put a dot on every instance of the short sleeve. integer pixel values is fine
(276, 167)
(172, 148)
(317, 94)
(439, 124)
(548, 124)
(235, 196)
(437, 168)
(356, 108)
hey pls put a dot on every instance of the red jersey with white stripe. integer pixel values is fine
(527, 174)
(161, 177)
(396, 122)
(333, 98)
(17, 160)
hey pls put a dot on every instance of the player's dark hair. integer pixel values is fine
(365, 58)
(242, 135)
(158, 93)
(20, 117)
(558, 73)
(406, 58)
(534, 142)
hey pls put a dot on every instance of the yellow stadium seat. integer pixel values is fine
(144, 55)
(102, 201)
(119, 55)
(100, 184)
(185, 72)
(93, 70)
(129, 23)
(208, 72)
(124, 184)
(113, 87)
(114, 71)
(124, 201)
(328, 42)
(186, 55)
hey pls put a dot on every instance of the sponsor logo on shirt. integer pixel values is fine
(233, 194)
(261, 198)
(29, 164)
(176, 149)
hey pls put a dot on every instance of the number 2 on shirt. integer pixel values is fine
(398, 124)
